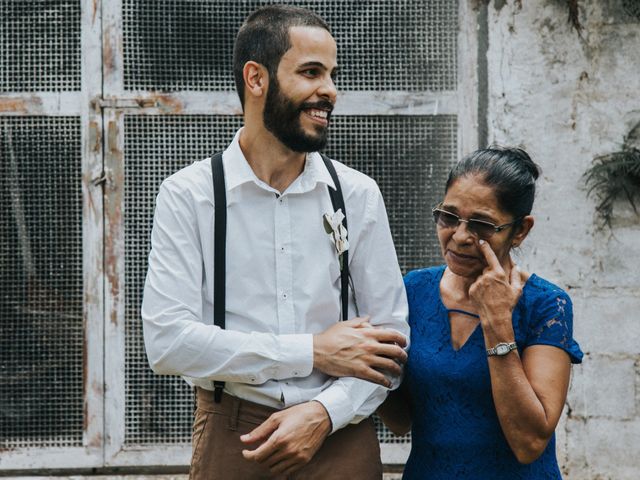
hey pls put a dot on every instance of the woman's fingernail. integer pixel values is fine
(481, 242)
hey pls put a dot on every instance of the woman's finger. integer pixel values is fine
(490, 256)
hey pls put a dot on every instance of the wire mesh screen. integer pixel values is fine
(382, 44)
(39, 45)
(408, 156)
(158, 409)
(41, 339)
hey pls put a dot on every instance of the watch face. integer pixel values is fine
(502, 349)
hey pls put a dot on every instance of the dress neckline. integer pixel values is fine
(464, 312)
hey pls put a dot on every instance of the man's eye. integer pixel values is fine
(311, 72)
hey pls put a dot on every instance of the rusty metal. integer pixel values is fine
(13, 105)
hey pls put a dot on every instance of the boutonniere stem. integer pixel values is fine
(338, 234)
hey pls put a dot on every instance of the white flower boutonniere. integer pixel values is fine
(334, 227)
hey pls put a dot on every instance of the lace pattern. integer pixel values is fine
(456, 432)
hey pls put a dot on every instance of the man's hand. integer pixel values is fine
(355, 349)
(290, 438)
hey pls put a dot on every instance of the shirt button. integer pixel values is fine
(295, 374)
(284, 295)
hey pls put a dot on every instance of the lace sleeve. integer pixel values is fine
(552, 324)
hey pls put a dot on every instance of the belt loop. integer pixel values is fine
(234, 413)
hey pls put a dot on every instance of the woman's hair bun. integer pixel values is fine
(518, 155)
(510, 171)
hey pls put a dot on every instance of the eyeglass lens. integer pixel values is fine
(479, 228)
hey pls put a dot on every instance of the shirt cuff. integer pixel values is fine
(338, 405)
(296, 358)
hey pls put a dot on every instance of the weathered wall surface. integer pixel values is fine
(568, 99)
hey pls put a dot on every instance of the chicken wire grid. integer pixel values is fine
(41, 339)
(382, 44)
(39, 45)
(408, 156)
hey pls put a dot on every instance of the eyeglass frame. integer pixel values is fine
(497, 228)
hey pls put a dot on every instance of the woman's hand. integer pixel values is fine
(496, 294)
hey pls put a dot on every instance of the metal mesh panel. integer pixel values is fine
(41, 339)
(408, 156)
(158, 409)
(39, 45)
(382, 44)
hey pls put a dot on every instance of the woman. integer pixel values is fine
(491, 346)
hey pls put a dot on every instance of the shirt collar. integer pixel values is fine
(238, 171)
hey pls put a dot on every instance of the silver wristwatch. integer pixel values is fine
(501, 349)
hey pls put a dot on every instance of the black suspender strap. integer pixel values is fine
(219, 253)
(337, 200)
(220, 240)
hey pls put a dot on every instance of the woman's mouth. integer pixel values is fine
(461, 257)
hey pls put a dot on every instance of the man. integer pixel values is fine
(292, 403)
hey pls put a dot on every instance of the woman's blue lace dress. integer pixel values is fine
(455, 432)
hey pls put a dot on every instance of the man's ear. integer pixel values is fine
(256, 79)
(523, 230)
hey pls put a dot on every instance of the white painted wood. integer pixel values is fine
(114, 322)
(153, 455)
(40, 103)
(227, 103)
(112, 48)
(92, 234)
(48, 458)
(114, 326)
(396, 103)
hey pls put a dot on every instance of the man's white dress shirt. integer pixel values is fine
(283, 283)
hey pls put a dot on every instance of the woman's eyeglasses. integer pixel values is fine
(478, 228)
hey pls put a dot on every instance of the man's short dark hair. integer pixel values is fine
(264, 38)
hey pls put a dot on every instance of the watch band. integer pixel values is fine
(501, 349)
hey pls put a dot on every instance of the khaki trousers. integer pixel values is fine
(351, 453)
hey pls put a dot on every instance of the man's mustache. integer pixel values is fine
(320, 105)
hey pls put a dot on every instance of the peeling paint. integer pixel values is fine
(19, 105)
(113, 188)
(95, 137)
(168, 104)
(108, 59)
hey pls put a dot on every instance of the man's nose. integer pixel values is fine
(328, 90)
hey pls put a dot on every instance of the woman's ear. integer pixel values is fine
(526, 224)
(256, 79)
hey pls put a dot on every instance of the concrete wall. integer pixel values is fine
(568, 99)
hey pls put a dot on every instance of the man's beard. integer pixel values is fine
(281, 116)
